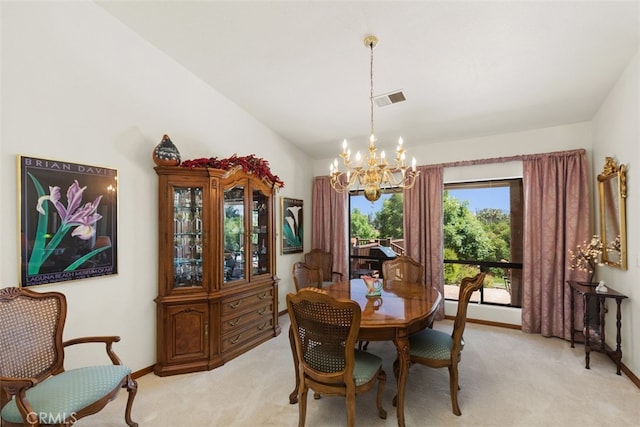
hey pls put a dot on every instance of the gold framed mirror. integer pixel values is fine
(612, 190)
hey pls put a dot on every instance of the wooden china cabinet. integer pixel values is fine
(217, 284)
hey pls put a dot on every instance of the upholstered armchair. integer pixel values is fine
(35, 389)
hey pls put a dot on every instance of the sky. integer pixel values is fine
(482, 198)
(497, 197)
(367, 207)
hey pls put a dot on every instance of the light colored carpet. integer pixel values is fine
(507, 378)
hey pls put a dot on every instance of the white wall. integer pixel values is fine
(79, 86)
(616, 133)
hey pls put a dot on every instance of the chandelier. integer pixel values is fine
(374, 173)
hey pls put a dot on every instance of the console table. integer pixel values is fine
(588, 291)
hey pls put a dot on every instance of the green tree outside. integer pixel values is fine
(483, 236)
(361, 227)
(388, 220)
(467, 236)
(233, 228)
(463, 232)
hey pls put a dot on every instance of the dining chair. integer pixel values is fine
(35, 389)
(403, 268)
(305, 276)
(324, 260)
(325, 331)
(437, 349)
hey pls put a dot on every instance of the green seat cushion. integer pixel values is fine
(431, 344)
(61, 396)
(366, 367)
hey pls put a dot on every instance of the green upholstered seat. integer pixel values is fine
(431, 344)
(59, 397)
(366, 368)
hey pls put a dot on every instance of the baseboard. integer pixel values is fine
(142, 372)
(624, 368)
(635, 380)
(488, 323)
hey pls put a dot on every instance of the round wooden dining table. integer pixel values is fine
(400, 310)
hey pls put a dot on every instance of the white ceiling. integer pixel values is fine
(468, 68)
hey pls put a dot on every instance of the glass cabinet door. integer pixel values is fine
(187, 236)
(260, 233)
(234, 250)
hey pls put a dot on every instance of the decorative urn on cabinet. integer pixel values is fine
(166, 153)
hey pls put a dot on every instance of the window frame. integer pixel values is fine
(516, 217)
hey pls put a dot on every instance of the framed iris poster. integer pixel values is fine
(68, 220)
(292, 221)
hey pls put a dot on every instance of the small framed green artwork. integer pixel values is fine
(292, 225)
(68, 221)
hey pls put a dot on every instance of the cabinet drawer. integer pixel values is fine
(239, 338)
(240, 303)
(239, 320)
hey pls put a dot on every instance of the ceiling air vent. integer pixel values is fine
(389, 98)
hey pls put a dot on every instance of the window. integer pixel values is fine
(483, 225)
(376, 232)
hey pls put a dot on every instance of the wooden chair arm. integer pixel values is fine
(11, 386)
(107, 340)
(18, 387)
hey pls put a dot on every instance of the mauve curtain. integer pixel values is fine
(328, 222)
(557, 218)
(423, 230)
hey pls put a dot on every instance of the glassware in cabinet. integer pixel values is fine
(187, 236)
(234, 244)
(260, 239)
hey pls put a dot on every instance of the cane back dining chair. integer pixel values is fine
(324, 260)
(35, 389)
(306, 276)
(325, 331)
(437, 349)
(403, 268)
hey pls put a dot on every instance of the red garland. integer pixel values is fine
(249, 164)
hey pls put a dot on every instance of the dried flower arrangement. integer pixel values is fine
(586, 256)
(249, 164)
